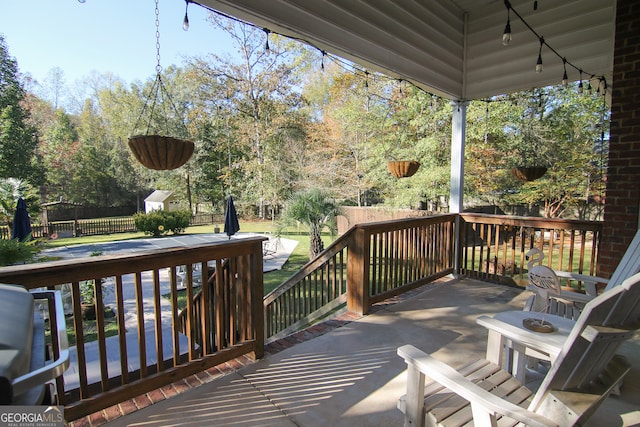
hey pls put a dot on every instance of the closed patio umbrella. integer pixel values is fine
(21, 229)
(231, 225)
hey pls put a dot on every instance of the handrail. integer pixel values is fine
(318, 288)
(494, 247)
(336, 246)
(361, 267)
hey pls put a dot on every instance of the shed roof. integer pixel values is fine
(159, 196)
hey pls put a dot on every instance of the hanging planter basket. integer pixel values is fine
(152, 150)
(403, 168)
(529, 173)
(161, 152)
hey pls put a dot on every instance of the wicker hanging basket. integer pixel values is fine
(530, 173)
(403, 168)
(160, 152)
(155, 151)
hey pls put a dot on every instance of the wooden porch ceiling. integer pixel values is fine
(452, 48)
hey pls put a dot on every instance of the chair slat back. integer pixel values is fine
(629, 264)
(605, 323)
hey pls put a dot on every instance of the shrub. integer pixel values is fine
(16, 252)
(159, 223)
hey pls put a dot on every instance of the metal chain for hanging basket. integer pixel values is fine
(157, 151)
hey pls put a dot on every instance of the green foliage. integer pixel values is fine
(158, 223)
(316, 210)
(15, 252)
(10, 191)
(18, 137)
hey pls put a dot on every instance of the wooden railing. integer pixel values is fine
(392, 257)
(367, 264)
(148, 349)
(494, 247)
(317, 289)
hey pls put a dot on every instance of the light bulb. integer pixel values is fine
(81, 1)
(185, 22)
(506, 36)
(266, 42)
(539, 64)
(565, 79)
(580, 88)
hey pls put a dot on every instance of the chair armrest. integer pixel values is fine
(56, 367)
(454, 381)
(574, 297)
(589, 281)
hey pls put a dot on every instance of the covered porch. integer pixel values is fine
(346, 372)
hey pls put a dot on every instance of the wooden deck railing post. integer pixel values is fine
(257, 294)
(358, 273)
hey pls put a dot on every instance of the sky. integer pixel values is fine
(115, 36)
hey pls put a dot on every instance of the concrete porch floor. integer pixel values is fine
(351, 375)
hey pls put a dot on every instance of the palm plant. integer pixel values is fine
(316, 210)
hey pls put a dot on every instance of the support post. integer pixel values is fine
(256, 293)
(456, 197)
(358, 273)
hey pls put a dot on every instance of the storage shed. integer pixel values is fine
(160, 200)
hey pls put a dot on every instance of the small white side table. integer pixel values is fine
(509, 342)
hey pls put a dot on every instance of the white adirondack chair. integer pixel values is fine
(582, 376)
(628, 266)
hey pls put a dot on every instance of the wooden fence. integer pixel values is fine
(92, 227)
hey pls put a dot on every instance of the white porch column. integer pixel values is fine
(458, 128)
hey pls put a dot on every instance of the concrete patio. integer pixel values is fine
(351, 375)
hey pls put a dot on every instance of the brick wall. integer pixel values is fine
(623, 175)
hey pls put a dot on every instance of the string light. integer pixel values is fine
(539, 63)
(580, 87)
(266, 43)
(349, 67)
(506, 36)
(185, 22)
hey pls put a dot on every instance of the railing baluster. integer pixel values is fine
(102, 347)
(175, 320)
(142, 340)
(158, 320)
(122, 331)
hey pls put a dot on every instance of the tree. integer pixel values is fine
(58, 146)
(18, 138)
(259, 91)
(317, 211)
(555, 127)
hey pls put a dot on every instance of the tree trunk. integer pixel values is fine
(316, 245)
